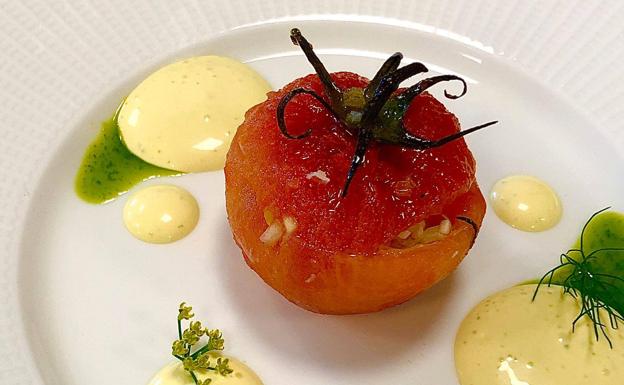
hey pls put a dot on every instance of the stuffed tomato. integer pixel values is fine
(349, 196)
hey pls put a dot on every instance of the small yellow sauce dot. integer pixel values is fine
(161, 214)
(526, 203)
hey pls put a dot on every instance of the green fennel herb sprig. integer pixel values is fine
(580, 275)
(188, 350)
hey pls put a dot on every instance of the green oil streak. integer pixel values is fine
(109, 169)
(605, 231)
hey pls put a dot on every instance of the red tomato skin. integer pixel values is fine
(336, 261)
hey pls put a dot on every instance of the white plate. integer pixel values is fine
(85, 302)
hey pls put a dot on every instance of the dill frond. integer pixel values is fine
(582, 274)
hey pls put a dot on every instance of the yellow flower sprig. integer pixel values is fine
(186, 348)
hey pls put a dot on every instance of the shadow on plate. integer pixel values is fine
(350, 342)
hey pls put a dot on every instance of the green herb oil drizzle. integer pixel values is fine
(109, 169)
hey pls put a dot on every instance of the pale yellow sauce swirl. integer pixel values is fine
(174, 374)
(161, 214)
(526, 203)
(183, 116)
(509, 340)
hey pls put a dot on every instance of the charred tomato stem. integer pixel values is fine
(373, 114)
(356, 162)
(334, 93)
(390, 65)
(388, 84)
(412, 141)
(281, 110)
(424, 84)
(474, 226)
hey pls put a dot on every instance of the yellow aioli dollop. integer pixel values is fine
(161, 214)
(183, 116)
(509, 340)
(174, 374)
(526, 203)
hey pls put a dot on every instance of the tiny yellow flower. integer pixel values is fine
(189, 337)
(196, 327)
(189, 364)
(179, 348)
(184, 312)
